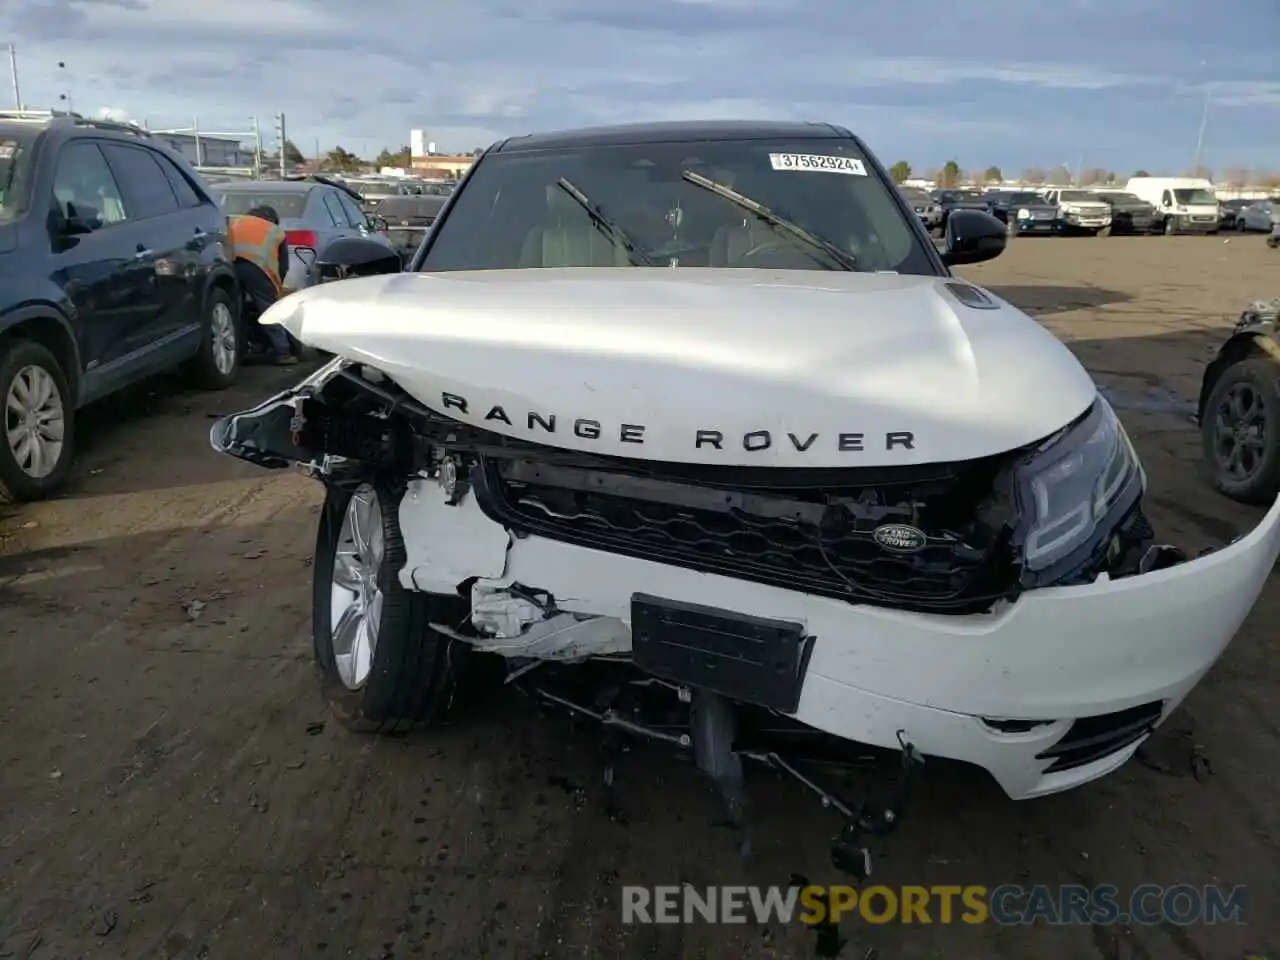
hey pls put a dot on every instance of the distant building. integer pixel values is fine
(212, 151)
(447, 166)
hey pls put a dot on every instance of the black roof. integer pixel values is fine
(677, 131)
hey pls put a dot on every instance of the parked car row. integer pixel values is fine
(1167, 205)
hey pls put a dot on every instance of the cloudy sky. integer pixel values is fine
(1111, 83)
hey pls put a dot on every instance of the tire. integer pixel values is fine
(1256, 384)
(413, 669)
(33, 365)
(1170, 227)
(217, 364)
(1103, 232)
(1241, 227)
(1273, 241)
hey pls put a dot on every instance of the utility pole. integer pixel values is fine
(1204, 122)
(280, 142)
(257, 149)
(13, 70)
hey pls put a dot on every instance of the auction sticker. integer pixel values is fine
(819, 163)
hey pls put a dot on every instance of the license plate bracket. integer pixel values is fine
(752, 659)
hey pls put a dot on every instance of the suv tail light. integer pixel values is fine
(301, 238)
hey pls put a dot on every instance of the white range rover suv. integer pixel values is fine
(693, 426)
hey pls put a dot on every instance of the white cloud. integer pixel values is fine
(117, 114)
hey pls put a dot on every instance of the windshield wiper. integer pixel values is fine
(846, 259)
(606, 226)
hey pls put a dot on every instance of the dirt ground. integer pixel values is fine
(169, 786)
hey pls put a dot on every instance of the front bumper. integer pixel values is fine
(1077, 222)
(959, 687)
(1195, 224)
(1036, 225)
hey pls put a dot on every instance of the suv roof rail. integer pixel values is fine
(65, 116)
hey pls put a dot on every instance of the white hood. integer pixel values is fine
(784, 368)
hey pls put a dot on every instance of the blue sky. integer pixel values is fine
(1118, 84)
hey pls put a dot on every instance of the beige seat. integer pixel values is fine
(566, 238)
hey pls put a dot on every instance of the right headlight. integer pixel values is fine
(1024, 214)
(1073, 484)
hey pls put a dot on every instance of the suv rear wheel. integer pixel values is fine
(216, 365)
(38, 415)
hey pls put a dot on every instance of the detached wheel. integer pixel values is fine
(382, 668)
(38, 441)
(1240, 431)
(217, 364)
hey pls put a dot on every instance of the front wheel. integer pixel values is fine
(1103, 232)
(38, 414)
(383, 669)
(1170, 227)
(1240, 431)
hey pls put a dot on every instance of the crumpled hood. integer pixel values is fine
(770, 368)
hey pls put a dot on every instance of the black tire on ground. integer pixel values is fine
(1273, 241)
(1213, 233)
(1240, 225)
(1170, 227)
(414, 668)
(203, 368)
(1102, 232)
(17, 356)
(1257, 378)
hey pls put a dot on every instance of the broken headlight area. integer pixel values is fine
(1078, 503)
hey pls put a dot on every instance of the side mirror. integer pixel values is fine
(354, 257)
(973, 237)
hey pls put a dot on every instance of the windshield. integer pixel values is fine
(805, 205)
(15, 172)
(1025, 199)
(1195, 195)
(916, 195)
(377, 189)
(288, 206)
(1078, 195)
(437, 189)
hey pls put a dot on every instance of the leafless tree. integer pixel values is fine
(1033, 175)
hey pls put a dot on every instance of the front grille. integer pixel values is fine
(808, 539)
(1093, 738)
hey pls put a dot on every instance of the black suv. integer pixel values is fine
(113, 267)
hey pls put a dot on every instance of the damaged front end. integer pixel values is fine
(948, 542)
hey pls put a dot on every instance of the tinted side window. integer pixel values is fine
(182, 188)
(1166, 197)
(334, 209)
(354, 215)
(84, 188)
(142, 180)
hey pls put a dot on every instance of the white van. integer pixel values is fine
(1183, 204)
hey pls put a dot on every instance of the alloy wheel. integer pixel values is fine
(1240, 434)
(224, 345)
(34, 421)
(356, 599)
